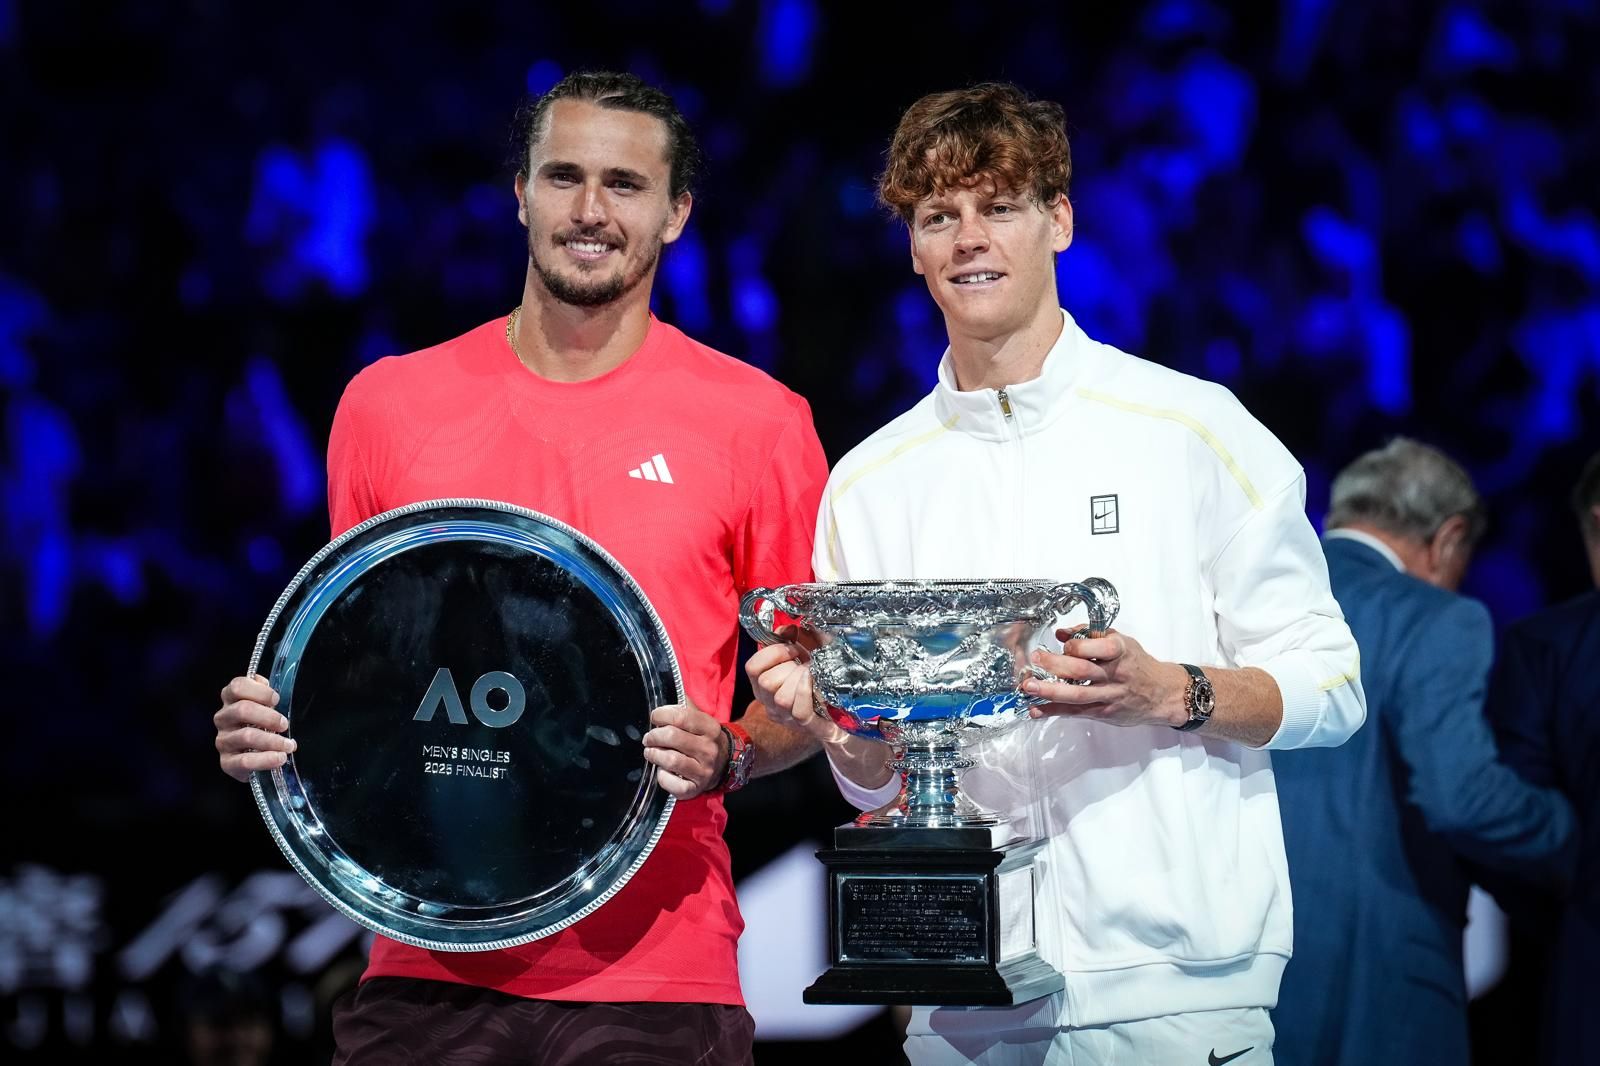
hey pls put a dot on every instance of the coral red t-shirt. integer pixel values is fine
(733, 506)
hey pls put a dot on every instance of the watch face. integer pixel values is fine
(1202, 698)
(743, 759)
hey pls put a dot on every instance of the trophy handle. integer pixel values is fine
(757, 613)
(1100, 597)
(1097, 594)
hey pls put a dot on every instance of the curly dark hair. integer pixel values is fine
(991, 132)
(622, 92)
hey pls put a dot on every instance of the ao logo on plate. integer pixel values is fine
(443, 693)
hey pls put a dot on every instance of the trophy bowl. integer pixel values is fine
(927, 667)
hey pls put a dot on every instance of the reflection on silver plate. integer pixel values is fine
(468, 682)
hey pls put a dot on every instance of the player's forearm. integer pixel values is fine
(863, 761)
(1249, 706)
(778, 747)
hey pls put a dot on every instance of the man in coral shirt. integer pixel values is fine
(556, 407)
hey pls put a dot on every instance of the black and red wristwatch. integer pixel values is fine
(1199, 699)
(741, 757)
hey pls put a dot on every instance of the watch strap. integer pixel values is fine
(741, 753)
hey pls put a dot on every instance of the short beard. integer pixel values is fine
(593, 293)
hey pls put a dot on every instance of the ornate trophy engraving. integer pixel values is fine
(469, 682)
(931, 898)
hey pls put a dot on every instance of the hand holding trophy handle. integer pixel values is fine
(1098, 596)
(757, 612)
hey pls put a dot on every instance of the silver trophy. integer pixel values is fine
(931, 898)
(928, 667)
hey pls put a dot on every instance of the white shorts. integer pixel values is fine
(1241, 1037)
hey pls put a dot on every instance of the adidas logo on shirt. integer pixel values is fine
(654, 470)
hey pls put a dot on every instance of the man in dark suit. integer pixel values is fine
(1378, 831)
(1544, 705)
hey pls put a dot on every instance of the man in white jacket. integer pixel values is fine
(1042, 453)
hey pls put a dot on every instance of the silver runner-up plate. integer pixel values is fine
(469, 683)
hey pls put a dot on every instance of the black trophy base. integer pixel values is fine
(938, 986)
(931, 917)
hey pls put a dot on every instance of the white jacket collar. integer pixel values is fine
(1034, 404)
(1341, 533)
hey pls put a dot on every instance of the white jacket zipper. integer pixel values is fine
(1018, 473)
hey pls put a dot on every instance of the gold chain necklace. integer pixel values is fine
(511, 330)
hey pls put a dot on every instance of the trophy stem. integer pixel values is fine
(930, 788)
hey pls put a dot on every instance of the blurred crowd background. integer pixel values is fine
(1364, 218)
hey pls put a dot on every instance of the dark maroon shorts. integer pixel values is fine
(430, 1023)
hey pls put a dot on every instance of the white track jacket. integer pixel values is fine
(1164, 888)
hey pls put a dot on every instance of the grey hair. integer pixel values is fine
(1406, 488)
